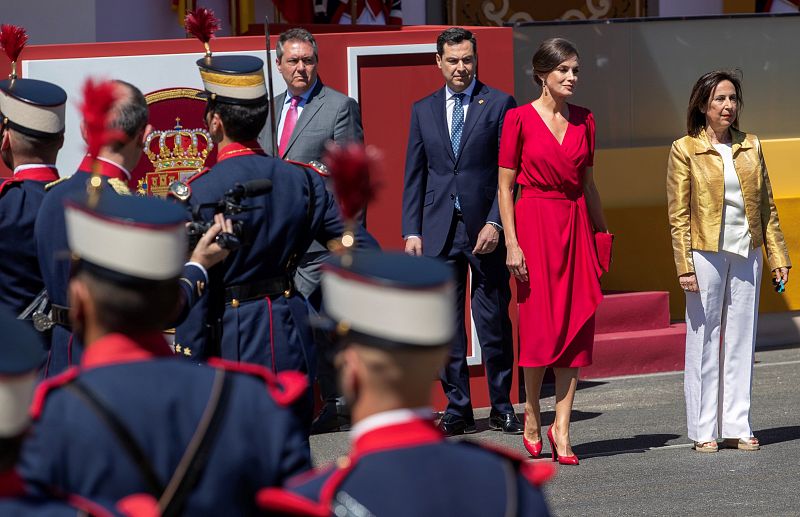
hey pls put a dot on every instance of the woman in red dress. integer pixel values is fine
(547, 149)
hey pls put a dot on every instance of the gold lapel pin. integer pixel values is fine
(480, 101)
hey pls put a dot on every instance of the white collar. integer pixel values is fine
(20, 168)
(117, 165)
(303, 96)
(467, 91)
(387, 418)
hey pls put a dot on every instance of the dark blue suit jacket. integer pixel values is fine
(259, 441)
(434, 176)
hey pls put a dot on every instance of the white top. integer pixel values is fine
(734, 233)
(450, 101)
(387, 418)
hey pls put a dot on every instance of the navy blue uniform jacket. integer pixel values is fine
(272, 331)
(54, 258)
(20, 198)
(159, 399)
(16, 502)
(410, 469)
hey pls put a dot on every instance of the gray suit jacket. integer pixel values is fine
(328, 115)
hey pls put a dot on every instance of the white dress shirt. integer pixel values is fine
(287, 101)
(450, 101)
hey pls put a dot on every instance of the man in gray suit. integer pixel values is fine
(308, 116)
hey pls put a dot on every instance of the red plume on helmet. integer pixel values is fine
(202, 24)
(12, 41)
(98, 101)
(353, 168)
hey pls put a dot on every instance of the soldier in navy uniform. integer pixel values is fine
(388, 312)
(254, 313)
(31, 134)
(114, 163)
(20, 357)
(135, 418)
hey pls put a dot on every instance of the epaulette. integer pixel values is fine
(314, 166)
(181, 190)
(119, 186)
(8, 182)
(48, 385)
(282, 501)
(285, 387)
(56, 182)
(537, 473)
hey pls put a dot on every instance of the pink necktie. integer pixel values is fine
(288, 124)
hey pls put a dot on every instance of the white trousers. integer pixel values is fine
(720, 342)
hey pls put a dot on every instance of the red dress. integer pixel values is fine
(558, 303)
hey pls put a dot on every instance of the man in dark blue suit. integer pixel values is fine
(450, 211)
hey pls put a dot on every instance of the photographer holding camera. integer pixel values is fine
(253, 312)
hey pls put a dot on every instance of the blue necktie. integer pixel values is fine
(457, 125)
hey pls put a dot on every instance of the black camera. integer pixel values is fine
(230, 204)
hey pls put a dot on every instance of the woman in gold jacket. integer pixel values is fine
(721, 213)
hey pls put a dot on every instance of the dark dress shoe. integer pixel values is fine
(506, 422)
(330, 420)
(452, 425)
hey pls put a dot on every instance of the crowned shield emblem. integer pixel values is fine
(179, 147)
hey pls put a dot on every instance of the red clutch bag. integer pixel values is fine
(603, 242)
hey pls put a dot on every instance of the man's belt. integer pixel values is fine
(60, 315)
(261, 289)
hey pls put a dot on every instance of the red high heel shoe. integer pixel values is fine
(562, 460)
(533, 448)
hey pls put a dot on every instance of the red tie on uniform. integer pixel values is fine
(288, 124)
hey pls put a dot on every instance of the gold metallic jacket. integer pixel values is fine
(696, 194)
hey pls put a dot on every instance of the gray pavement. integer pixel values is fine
(636, 458)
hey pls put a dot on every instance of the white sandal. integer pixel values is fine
(706, 446)
(750, 444)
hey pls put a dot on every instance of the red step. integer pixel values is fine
(630, 311)
(637, 352)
